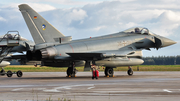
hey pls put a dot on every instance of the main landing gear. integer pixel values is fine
(10, 73)
(71, 71)
(109, 72)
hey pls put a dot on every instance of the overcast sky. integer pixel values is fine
(90, 18)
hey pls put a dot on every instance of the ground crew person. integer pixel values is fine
(95, 72)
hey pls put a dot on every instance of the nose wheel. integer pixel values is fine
(130, 71)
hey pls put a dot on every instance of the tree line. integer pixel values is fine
(162, 60)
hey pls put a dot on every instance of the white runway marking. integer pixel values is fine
(51, 90)
(167, 90)
(57, 89)
(129, 91)
(17, 89)
(113, 91)
(90, 87)
(40, 88)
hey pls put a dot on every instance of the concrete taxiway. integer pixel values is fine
(152, 86)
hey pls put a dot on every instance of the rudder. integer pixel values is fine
(41, 30)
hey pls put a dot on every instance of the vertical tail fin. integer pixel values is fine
(41, 30)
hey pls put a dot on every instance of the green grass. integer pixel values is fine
(159, 67)
(31, 68)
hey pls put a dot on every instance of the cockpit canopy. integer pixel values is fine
(13, 36)
(138, 30)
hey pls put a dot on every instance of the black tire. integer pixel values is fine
(109, 71)
(3, 72)
(130, 72)
(70, 72)
(9, 74)
(19, 73)
(105, 71)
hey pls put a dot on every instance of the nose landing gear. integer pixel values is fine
(130, 71)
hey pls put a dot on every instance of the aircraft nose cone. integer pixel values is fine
(168, 42)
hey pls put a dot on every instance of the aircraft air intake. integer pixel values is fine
(158, 43)
(162, 42)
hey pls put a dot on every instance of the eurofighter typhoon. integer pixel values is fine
(119, 49)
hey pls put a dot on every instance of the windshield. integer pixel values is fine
(138, 30)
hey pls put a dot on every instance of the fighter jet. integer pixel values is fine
(111, 51)
(10, 43)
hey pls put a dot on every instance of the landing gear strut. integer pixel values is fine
(109, 72)
(10, 73)
(71, 71)
(130, 71)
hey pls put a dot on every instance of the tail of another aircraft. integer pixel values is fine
(41, 30)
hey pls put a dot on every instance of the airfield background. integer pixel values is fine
(162, 60)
